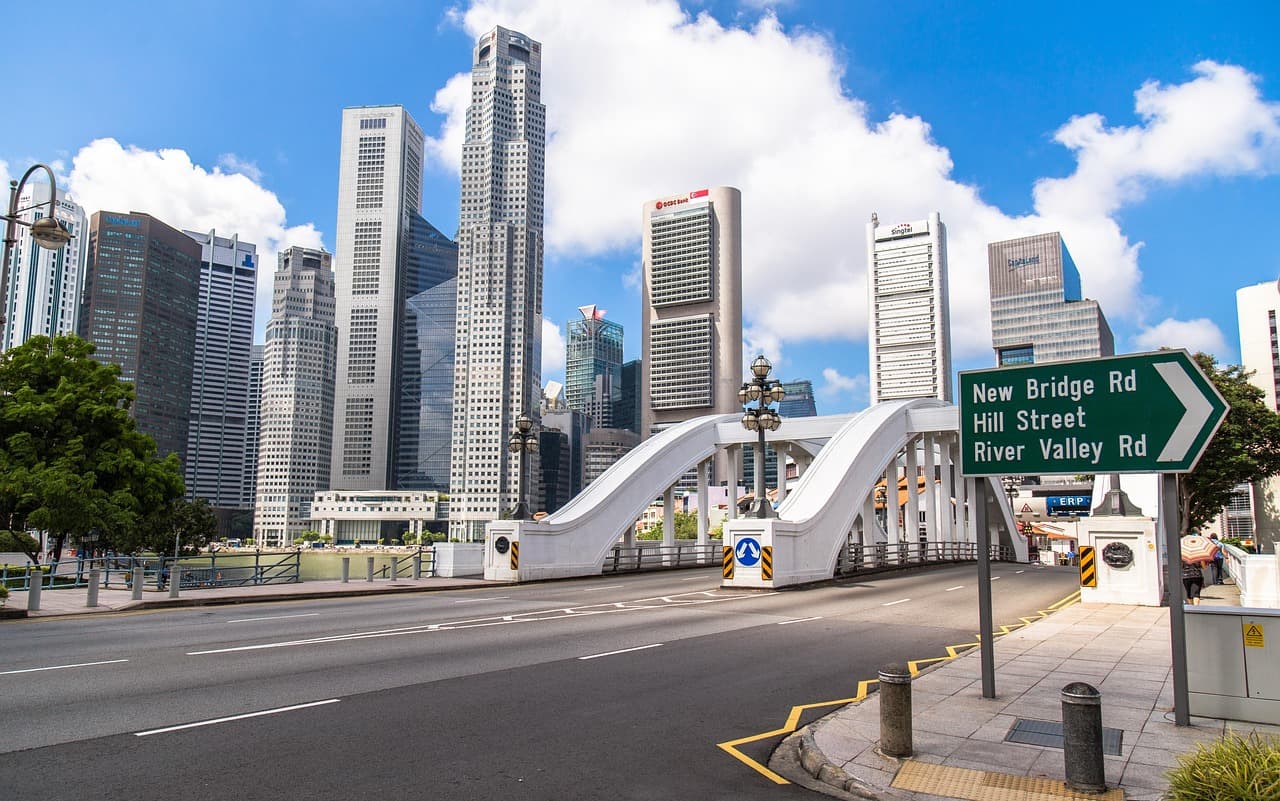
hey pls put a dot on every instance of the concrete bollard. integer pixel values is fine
(35, 583)
(91, 598)
(175, 580)
(346, 569)
(369, 568)
(1082, 738)
(417, 566)
(138, 574)
(391, 567)
(895, 710)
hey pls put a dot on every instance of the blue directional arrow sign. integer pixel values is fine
(747, 551)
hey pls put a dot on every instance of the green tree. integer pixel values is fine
(1245, 449)
(71, 457)
(686, 528)
(191, 524)
(20, 542)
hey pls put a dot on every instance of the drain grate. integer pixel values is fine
(1048, 733)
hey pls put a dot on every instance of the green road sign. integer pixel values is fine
(1144, 413)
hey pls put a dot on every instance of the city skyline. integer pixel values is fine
(1114, 157)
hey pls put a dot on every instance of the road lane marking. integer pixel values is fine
(233, 717)
(995, 578)
(895, 603)
(695, 578)
(273, 617)
(801, 620)
(1019, 571)
(478, 600)
(957, 587)
(610, 587)
(63, 667)
(623, 651)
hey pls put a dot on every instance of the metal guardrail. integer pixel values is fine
(212, 570)
(661, 557)
(857, 558)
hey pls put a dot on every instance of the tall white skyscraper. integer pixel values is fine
(691, 317)
(45, 285)
(216, 456)
(379, 192)
(909, 327)
(296, 420)
(499, 343)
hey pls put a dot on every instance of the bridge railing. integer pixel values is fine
(661, 557)
(857, 558)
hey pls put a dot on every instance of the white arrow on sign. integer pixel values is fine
(1193, 419)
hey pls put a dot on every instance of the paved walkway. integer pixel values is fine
(958, 735)
(54, 603)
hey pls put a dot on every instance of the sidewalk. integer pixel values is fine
(959, 736)
(58, 603)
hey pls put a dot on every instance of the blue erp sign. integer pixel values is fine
(1064, 505)
(747, 551)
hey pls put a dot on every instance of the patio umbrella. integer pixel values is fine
(1198, 549)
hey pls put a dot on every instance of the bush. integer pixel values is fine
(1234, 768)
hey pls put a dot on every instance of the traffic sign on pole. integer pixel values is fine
(1143, 413)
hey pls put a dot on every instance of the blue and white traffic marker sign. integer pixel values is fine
(748, 551)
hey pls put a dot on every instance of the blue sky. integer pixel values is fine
(1151, 141)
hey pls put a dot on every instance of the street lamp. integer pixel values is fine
(47, 232)
(762, 418)
(522, 439)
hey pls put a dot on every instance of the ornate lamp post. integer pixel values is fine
(762, 418)
(522, 439)
(47, 232)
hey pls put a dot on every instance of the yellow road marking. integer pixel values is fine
(730, 747)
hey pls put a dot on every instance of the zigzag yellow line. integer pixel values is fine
(730, 747)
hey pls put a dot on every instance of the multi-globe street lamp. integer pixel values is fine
(760, 419)
(47, 232)
(523, 439)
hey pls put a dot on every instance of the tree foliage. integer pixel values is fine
(20, 542)
(190, 524)
(1245, 449)
(686, 528)
(71, 457)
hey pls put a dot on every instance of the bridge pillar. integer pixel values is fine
(948, 521)
(502, 550)
(891, 509)
(930, 489)
(734, 452)
(668, 523)
(911, 518)
(704, 502)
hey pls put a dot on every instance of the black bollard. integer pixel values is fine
(1082, 738)
(895, 710)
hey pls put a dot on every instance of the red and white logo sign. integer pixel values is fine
(677, 201)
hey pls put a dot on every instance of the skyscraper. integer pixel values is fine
(593, 365)
(798, 401)
(296, 421)
(626, 412)
(910, 333)
(423, 437)
(379, 193)
(692, 308)
(499, 343)
(216, 456)
(44, 285)
(252, 428)
(1037, 311)
(141, 301)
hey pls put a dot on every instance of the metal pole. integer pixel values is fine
(91, 597)
(762, 499)
(1082, 738)
(35, 582)
(986, 631)
(1169, 513)
(895, 710)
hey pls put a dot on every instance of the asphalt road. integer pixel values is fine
(616, 687)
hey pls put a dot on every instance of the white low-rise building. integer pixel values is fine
(367, 516)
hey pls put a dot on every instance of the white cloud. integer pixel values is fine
(1199, 335)
(232, 163)
(855, 390)
(5, 178)
(169, 186)
(553, 351)
(763, 108)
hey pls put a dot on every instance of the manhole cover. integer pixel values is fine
(1048, 733)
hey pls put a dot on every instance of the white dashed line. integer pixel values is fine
(957, 587)
(63, 667)
(623, 651)
(233, 717)
(273, 617)
(895, 603)
(801, 620)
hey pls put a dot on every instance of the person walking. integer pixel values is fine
(1217, 560)
(1192, 580)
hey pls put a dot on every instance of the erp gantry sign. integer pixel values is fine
(1143, 413)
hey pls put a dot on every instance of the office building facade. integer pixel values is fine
(593, 365)
(217, 458)
(1253, 507)
(379, 195)
(499, 325)
(140, 309)
(295, 426)
(45, 286)
(627, 412)
(798, 401)
(691, 320)
(1038, 313)
(909, 321)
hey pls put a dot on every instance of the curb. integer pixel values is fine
(816, 764)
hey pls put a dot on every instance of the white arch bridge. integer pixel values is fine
(832, 521)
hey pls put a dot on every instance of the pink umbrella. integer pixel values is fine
(1198, 549)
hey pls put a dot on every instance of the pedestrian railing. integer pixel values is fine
(661, 557)
(857, 558)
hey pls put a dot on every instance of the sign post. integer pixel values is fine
(1141, 413)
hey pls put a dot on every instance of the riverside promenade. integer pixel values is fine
(959, 736)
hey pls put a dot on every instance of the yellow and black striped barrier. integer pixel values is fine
(766, 563)
(515, 554)
(728, 562)
(1088, 566)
